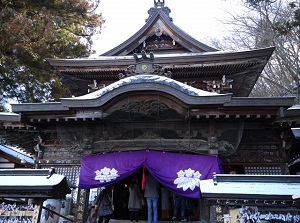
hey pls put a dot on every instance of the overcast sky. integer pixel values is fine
(199, 18)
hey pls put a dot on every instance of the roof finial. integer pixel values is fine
(159, 3)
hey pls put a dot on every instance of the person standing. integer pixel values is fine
(134, 201)
(180, 202)
(104, 205)
(190, 207)
(151, 195)
(166, 204)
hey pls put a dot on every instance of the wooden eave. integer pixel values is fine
(291, 115)
(254, 109)
(176, 33)
(17, 133)
(175, 60)
(40, 107)
(243, 68)
(45, 116)
(9, 117)
(98, 101)
(268, 116)
(284, 102)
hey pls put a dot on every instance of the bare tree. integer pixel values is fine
(260, 26)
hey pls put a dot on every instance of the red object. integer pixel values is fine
(143, 178)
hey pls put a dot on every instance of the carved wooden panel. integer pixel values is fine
(149, 104)
(256, 154)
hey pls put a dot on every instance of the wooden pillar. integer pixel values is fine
(204, 210)
(82, 206)
(36, 218)
(37, 214)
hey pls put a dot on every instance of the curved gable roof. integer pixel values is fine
(182, 91)
(159, 18)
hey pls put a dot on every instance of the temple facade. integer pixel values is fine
(162, 91)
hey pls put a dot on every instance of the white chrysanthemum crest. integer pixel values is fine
(188, 179)
(106, 174)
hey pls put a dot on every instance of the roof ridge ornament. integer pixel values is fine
(144, 57)
(159, 5)
(145, 65)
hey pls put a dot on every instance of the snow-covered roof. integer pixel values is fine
(146, 79)
(9, 116)
(32, 183)
(214, 55)
(251, 186)
(17, 153)
(296, 132)
(295, 107)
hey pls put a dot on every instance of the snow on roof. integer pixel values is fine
(31, 183)
(9, 117)
(165, 55)
(250, 188)
(17, 153)
(157, 55)
(144, 79)
(9, 114)
(25, 181)
(294, 107)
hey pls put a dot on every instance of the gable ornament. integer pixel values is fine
(145, 65)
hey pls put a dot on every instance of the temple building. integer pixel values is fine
(165, 102)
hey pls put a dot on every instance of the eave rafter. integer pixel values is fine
(193, 114)
(198, 65)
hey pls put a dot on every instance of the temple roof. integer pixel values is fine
(142, 96)
(16, 154)
(33, 183)
(188, 95)
(250, 186)
(159, 35)
(241, 69)
(186, 60)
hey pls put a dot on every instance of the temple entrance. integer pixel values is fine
(176, 173)
(166, 199)
(121, 197)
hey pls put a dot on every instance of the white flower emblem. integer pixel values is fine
(188, 179)
(106, 174)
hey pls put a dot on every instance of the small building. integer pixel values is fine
(254, 197)
(25, 193)
(161, 95)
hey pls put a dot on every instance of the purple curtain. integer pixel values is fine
(104, 169)
(181, 173)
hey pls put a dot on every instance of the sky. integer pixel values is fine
(199, 18)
